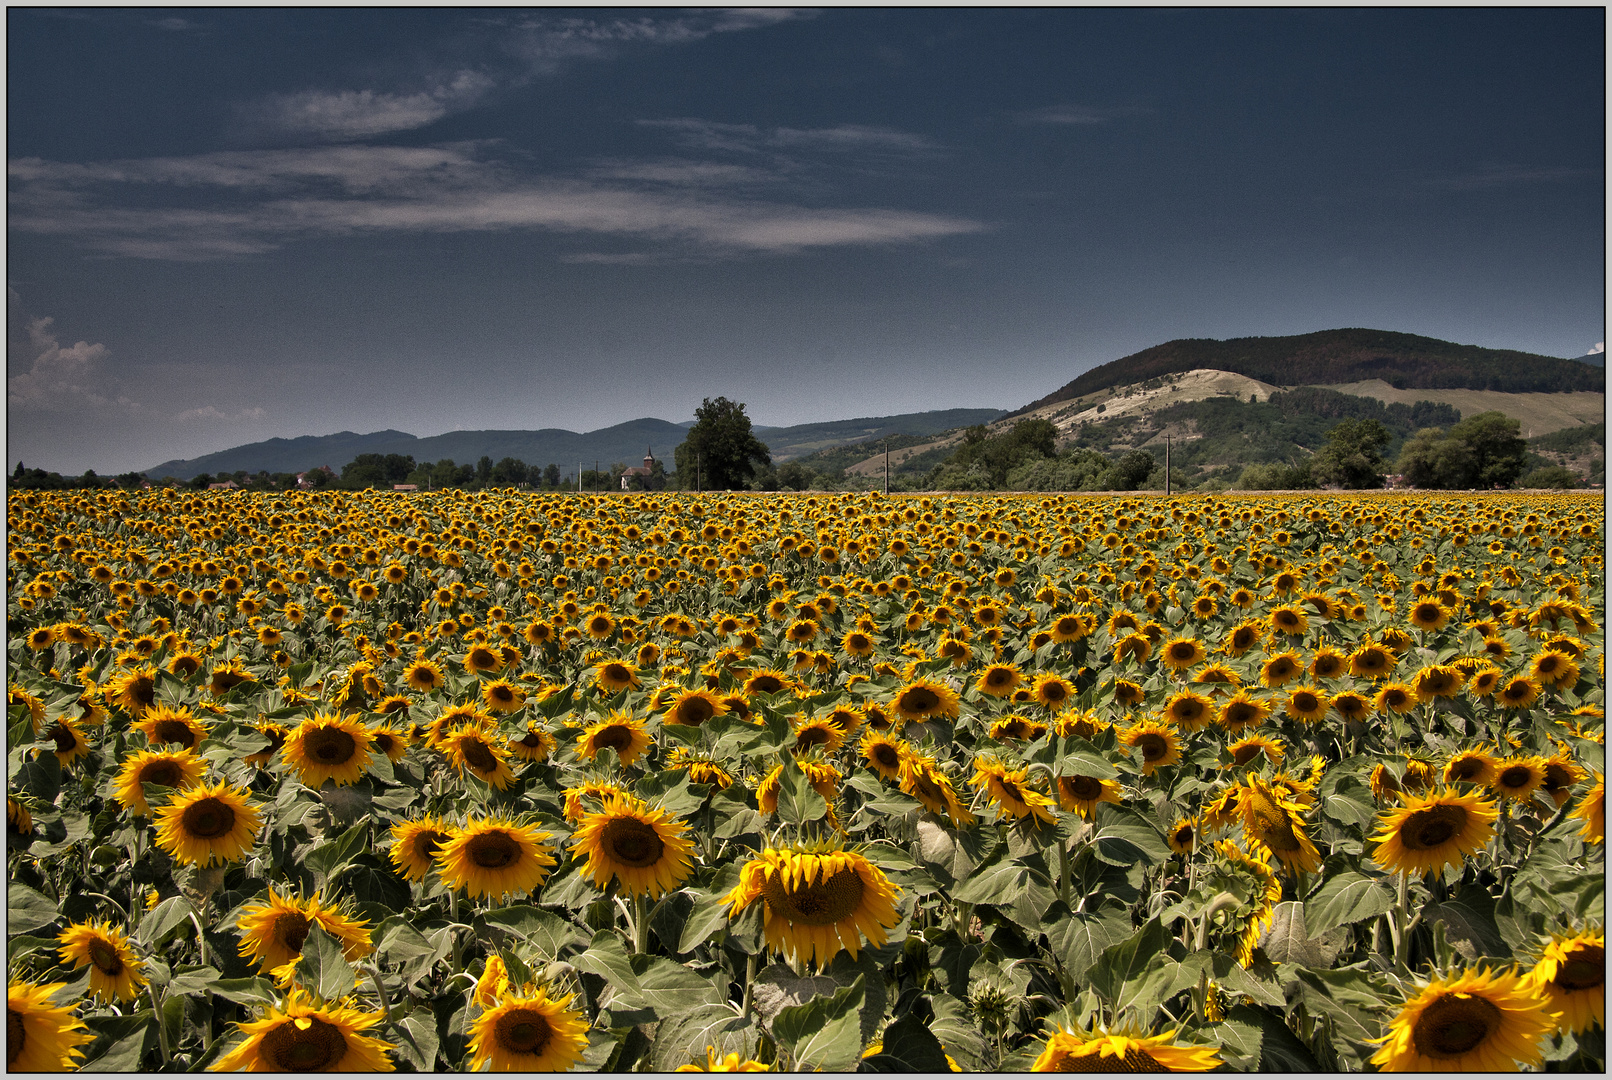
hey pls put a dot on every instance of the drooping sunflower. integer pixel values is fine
(1274, 823)
(1571, 976)
(273, 934)
(19, 821)
(495, 857)
(1121, 1051)
(1081, 794)
(922, 779)
(1561, 775)
(115, 971)
(1592, 812)
(621, 732)
(529, 1032)
(883, 753)
(477, 749)
(1010, 791)
(594, 790)
(1157, 741)
(1474, 1021)
(1425, 834)
(162, 724)
(304, 1034)
(641, 846)
(40, 1036)
(817, 902)
(922, 699)
(208, 823)
(415, 844)
(691, 708)
(167, 768)
(328, 746)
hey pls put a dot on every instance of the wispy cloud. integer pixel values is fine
(1080, 115)
(175, 24)
(59, 378)
(748, 138)
(356, 114)
(545, 42)
(1488, 177)
(213, 412)
(253, 201)
(1600, 347)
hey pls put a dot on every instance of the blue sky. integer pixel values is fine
(230, 225)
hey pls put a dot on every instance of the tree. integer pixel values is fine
(484, 470)
(1486, 450)
(722, 446)
(551, 475)
(1550, 476)
(509, 471)
(1129, 472)
(376, 470)
(1352, 457)
(795, 476)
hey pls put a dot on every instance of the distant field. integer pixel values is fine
(1539, 413)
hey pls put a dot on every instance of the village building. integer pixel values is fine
(643, 470)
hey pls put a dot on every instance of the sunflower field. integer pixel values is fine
(666, 782)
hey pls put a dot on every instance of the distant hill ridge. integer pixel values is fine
(1330, 357)
(621, 442)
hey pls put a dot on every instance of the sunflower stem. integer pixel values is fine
(162, 1028)
(380, 991)
(640, 925)
(201, 939)
(1401, 938)
(749, 984)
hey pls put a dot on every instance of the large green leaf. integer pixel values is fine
(1000, 880)
(547, 932)
(644, 988)
(415, 1039)
(823, 1035)
(710, 914)
(909, 1046)
(1280, 1049)
(1469, 925)
(1346, 898)
(28, 908)
(684, 1039)
(1122, 962)
(323, 968)
(798, 801)
(326, 859)
(1079, 940)
(1124, 837)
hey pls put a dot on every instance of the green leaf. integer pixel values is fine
(546, 931)
(1241, 1043)
(40, 777)
(193, 980)
(710, 914)
(909, 1046)
(1125, 838)
(798, 801)
(1346, 799)
(1469, 925)
(124, 1043)
(1280, 1049)
(825, 1034)
(1080, 940)
(957, 1032)
(644, 988)
(1126, 960)
(999, 880)
(326, 859)
(28, 908)
(683, 1039)
(1288, 941)
(415, 1039)
(372, 881)
(672, 792)
(400, 945)
(162, 920)
(1346, 898)
(323, 968)
(253, 991)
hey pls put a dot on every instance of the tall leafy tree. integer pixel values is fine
(726, 448)
(1352, 457)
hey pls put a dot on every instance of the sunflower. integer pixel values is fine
(502, 696)
(134, 691)
(1571, 975)
(115, 971)
(70, 741)
(1188, 711)
(1052, 691)
(817, 902)
(536, 745)
(1136, 647)
(1244, 752)
(597, 790)
(614, 676)
(415, 844)
(1290, 619)
(1328, 663)
(734, 1062)
(817, 732)
(529, 1032)
(999, 680)
(1249, 872)
(1274, 823)
(767, 681)
(1561, 775)
(1218, 674)
(1427, 833)
(328, 747)
(1281, 669)
(702, 769)
(884, 754)
(822, 775)
(166, 768)
(273, 934)
(1472, 1022)
(18, 820)
(226, 677)
(1554, 668)
(1470, 767)
(1242, 711)
(1010, 791)
(1243, 636)
(1428, 615)
(1121, 1051)
(1592, 812)
(620, 732)
(1371, 661)
(1517, 777)
(308, 1035)
(1438, 680)
(1183, 835)
(642, 847)
(921, 699)
(1127, 693)
(924, 781)
(163, 724)
(1157, 742)
(41, 1037)
(1352, 706)
(208, 823)
(858, 643)
(476, 748)
(495, 857)
(1016, 727)
(1384, 784)
(692, 708)
(392, 742)
(1181, 653)
(423, 675)
(599, 625)
(1307, 703)
(1395, 697)
(1081, 794)
(1518, 692)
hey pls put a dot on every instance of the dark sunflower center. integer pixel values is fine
(1584, 970)
(812, 736)
(616, 673)
(886, 755)
(224, 680)
(1153, 746)
(1188, 709)
(426, 844)
(1305, 702)
(1242, 639)
(1244, 754)
(633, 842)
(290, 1047)
(143, 691)
(824, 903)
(331, 746)
(1454, 1024)
(1134, 1061)
(1054, 692)
(1183, 835)
(694, 712)
(1466, 768)
(176, 731)
(920, 699)
(64, 739)
(1517, 776)
(998, 677)
(208, 818)
(477, 756)
(1084, 788)
(493, 850)
(523, 1031)
(16, 1036)
(531, 740)
(766, 684)
(1181, 652)
(291, 930)
(385, 743)
(1014, 729)
(105, 957)
(1429, 828)
(617, 737)
(1556, 777)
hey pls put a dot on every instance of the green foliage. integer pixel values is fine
(376, 470)
(1550, 476)
(723, 447)
(1352, 457)
(1482, 451)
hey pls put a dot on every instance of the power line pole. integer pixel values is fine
(887, 466)
(697, 487)
(596, 476)
(579, 478)
(1167, 466)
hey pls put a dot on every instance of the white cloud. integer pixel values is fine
(357, 114)
(747, 138)
(258, 200)
(212, 412)
(1081, 115)
(1600, 347)
(59, 378)
(175, 24)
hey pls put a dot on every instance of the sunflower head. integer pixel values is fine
(817, 902)
(528, 1032)
(208, 823)
(166, 768)
(304, 1034)
(1425, 834)
(1473, 1021)
(643, 848)
(495, 857)
(41, 1036)
(620, 732)
(415, 844)
(1571, 974)
(163, 724)
(115, 971)
(1121, 1051)
(329, 747)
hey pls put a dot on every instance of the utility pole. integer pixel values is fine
(697, 487)
(579, 478)
(596, 477)
(1167, 466)
(887, 467)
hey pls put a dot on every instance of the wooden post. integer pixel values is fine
(1167, 466)
(579, 478)
(887, 467)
